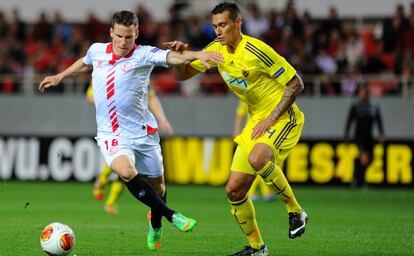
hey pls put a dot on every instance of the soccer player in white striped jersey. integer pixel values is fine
(127, 131)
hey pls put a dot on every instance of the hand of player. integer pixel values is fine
(166, 127)
(49, 81)
(206, 57)
(176, 45)
(261, 128)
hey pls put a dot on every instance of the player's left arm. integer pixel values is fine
(158, 111)
(280, 70)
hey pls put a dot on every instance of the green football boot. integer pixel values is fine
(154, 236)
(183, 223)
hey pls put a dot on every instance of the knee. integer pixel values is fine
(126, 173)
(257, 162)
(234, 194)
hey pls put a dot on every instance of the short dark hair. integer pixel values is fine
(125, 18)
(231, 7)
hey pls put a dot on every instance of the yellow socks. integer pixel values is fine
(103, 176)
(276, 180)
(243, 212)
(115, 192)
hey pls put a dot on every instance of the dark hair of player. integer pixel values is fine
(125, 18)
(231, 7)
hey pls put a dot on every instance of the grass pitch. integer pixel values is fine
(342, 221)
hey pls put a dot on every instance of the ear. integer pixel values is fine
(239, 22)
(137, 34)
(111, 32)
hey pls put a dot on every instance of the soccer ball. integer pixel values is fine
(57, 239)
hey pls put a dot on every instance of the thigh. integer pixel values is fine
(241, 163)
(112, 147)
(148, 157)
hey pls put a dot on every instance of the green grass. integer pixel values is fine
(342, 221)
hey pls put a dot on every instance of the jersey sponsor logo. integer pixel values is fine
(278, 73)
(234, 81)
(127, 66)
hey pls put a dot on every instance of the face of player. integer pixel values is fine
(227, 30)
(123, 38)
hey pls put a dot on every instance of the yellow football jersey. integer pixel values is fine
(254, 72)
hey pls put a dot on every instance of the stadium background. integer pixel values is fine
(48, 138)
(202, 107)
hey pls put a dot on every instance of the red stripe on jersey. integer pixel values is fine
(110, 94)
(110, 81)
(114, 121)
(110, 87)
(112, 110)
(113, 115)
(115, 127)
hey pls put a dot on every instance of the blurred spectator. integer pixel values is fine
(351, 81)
(325, 63)
(256, 24)
(4, 26)
(17, 26)
(42, 30)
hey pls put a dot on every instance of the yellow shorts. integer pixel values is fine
(281, 138)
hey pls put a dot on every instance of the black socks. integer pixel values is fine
(145, 193)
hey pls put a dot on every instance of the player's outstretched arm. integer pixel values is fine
(182, 71)
(185, 57)
(51, 81)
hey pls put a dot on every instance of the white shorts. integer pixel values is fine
(145, 152)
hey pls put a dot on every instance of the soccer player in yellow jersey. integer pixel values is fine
(117, 186)
(269, 85)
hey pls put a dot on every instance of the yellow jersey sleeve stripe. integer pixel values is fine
(260, 54)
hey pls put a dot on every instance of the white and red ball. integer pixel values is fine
(57, 239)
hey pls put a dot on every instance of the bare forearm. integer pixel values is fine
(293, 88)
(181, 57)
(156, 108)
(77, 67)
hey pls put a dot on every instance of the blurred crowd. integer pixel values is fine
(333, 54)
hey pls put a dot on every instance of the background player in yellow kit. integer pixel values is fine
(269, 85)
(117, 186)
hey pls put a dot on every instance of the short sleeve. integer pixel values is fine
(88, 57)
(274, 64)
(156, 56)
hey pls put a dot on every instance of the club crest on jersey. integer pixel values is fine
(245, 73)
(126, 66)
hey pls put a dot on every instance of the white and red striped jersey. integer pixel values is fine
(120, 89)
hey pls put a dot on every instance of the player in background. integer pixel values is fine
(365, 115)
(126, 129)
(269, 85)
(259, 189)
(117, 186)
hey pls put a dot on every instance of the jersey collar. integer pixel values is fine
(115, 57)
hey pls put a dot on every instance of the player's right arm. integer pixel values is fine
(188, 70)
(50, 81)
